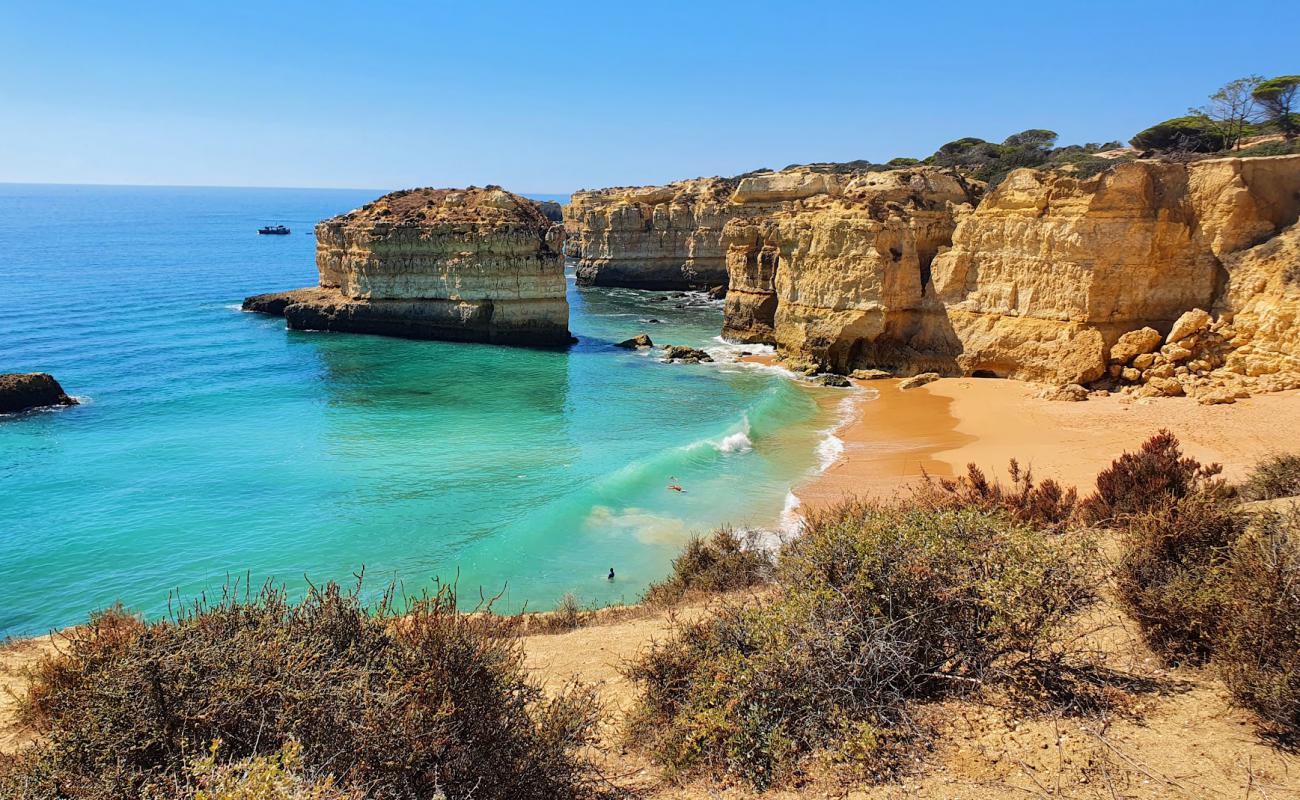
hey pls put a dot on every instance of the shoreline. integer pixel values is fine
(897, 437)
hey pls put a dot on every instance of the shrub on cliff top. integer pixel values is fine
(1146, 480)
(723, 562)
(391, 706)
(1274, 476)
(1169, 574)
(875, 607)
(1182, 134)
(1258, 655)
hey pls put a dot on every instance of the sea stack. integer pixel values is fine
(25, 391)
(476, 265)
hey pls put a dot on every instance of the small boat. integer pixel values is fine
(274, 230)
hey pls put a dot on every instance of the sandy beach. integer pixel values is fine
(897, 436)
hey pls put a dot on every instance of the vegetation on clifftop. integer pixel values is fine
(322, 698)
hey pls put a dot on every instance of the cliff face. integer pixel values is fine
(1050, 270)
(1038, 281)
(671, 237)
(466, 265)
(654, 237)
(838, 277)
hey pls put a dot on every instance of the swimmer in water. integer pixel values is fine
(611, 573)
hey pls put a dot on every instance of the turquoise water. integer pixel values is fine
(215, 443)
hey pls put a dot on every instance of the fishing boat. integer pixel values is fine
(274, 230)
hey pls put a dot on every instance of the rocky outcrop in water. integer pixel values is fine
(25, 391)
(480, 265)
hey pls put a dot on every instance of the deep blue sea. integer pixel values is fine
(213, 443)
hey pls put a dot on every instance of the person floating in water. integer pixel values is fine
(611, 573)
(674, 485)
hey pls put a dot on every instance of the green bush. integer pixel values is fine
(394, 706)
(875, 607)
(723, 562)
(1277, 475)
(1146, 480)
(1169, 574)
(1258, 655)
(1181, 134)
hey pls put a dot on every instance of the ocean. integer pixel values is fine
(213, 444)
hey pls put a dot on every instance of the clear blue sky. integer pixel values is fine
(551, 96)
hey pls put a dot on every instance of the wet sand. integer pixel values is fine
(939, 428)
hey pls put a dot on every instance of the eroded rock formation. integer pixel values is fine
(1050, 270)
(671, 237)
(23, 391)
(1041, 280)
(838, 278)
(464, 265)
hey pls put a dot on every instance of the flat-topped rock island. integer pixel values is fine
(476, 264)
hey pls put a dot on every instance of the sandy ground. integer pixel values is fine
(943, 426)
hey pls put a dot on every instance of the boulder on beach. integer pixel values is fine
(23, 391)
(919, 380)
(831, 379)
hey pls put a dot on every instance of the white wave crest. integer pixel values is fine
(735, 443)
(791, 523)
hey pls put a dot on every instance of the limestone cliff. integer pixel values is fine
(838, 278)
(1039, 280)
(1051, 269)
(670, 237)
(465, 265)
(654, 237)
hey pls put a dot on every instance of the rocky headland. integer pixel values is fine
(1151, 277)
(671, 237)
(482, 265)
(24, 391)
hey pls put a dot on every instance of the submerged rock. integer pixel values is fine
(23, 391)
(640, 340)
(481, 265)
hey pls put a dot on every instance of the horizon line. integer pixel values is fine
(232, 186)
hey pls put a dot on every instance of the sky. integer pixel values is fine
(553, 96)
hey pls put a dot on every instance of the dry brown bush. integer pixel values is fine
(723, 562)
(874, 608)
(1045, 504)
(392, 706)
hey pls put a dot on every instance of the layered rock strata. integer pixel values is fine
(1040, 280)
(670, 237)
(24, 391)
(476, 264)
(838, 278)
(1051, 270)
